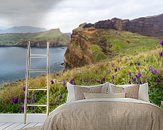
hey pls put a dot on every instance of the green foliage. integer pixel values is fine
(98, 55)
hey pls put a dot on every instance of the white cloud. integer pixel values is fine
(68, 14)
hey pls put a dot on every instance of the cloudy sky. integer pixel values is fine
(68, 14)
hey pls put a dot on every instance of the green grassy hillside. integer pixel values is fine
(129, 43)
(138, 55)
(13, 39)
(122, 42)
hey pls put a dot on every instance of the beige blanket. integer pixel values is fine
(106, 114)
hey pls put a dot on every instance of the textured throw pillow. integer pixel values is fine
(76, 92)
(143, 92)
(116, 89)
(79, 91)
(130, 91)
(103, 95)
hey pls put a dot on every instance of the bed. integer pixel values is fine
(99, 112)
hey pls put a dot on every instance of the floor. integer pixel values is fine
(15, 121)
(17, 126)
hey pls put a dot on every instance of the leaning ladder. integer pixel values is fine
(30, 70)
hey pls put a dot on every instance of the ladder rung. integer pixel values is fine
(36, 105)
(37, 89)
(38, 56)
(37, 70)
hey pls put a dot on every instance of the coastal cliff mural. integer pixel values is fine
(90, 50)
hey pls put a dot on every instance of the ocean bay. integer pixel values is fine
(13, 62)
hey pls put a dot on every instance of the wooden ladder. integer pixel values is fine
(30, 70)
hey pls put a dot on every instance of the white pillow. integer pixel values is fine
(71, 93)
(107, 87)
(125, 86)
(142, 94)
(71, 90)
(103, 95)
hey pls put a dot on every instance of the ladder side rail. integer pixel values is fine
(48, 69)
(27, 78)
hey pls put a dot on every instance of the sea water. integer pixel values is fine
(13, 62)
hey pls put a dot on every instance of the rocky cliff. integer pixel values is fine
(149, 26)
(91, 43)
(87, 46)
